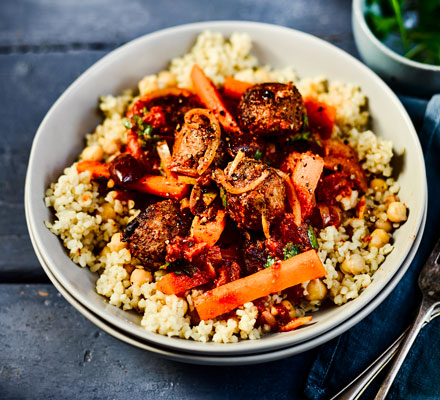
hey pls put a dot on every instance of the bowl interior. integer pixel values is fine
(61, 137)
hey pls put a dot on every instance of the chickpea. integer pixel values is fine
(290, 308)
(92, 153)
(340, 276)
(378, 185)
(396, 212)
(116, 243)
(390, 199)
(379, 238)
(140, 276)
(107, 212)
(385, 225)
(355, 265)
(316, 290)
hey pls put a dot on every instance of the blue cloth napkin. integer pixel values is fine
(345, 357)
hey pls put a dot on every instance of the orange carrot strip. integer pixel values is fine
(284, 274)
(177, 284)
(295, 323)
(305, 177)
(96, 168)
(321, 117)
(160, 186)
(235, 88)
(211, 98)
(210, 231)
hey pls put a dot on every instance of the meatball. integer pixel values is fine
(198, 144)
(269, 109)
(148, 234)
(268, 198)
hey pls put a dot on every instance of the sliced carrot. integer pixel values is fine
(295, 323)
(305, 177)
(208, 232)
(96, 168)
(211, 98)
(321, 117)
(281, 275)
(235, 88)
(177, 284)
(160, 186)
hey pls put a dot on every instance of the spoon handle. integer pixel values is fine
(423, 315)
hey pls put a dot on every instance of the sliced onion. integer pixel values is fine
(240, 155)
(165, 156)
(209, 155)
(265, 225)
(239, 190)
(292, 197)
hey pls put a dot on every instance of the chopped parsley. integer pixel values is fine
(269, 262)
(127, 124)
(305, 120)
(258, 155)
(224, 197)
(312, 238)
(291, 250)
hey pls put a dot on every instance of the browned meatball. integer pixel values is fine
(269, 109)
(148, 234)
(268, 198)
(198, 144)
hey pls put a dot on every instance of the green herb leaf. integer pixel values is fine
(312, 238)
(291, 250)
(127, 124)
(164, 266)
(148, 130)
(138, 121)
(305, 120)
(258, 155)
(224, 197)
(270, 261)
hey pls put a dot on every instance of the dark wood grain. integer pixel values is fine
(49, 350)
(33, 25)
(30, 85)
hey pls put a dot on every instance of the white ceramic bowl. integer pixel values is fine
(405, 75)
(225, 360)
(61, 137)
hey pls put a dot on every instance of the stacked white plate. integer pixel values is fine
(60, 139)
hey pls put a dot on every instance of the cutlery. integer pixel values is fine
(357, 387)
(429, 284)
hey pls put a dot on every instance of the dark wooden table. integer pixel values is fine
(47, 349)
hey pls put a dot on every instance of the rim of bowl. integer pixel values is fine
(249, 359)
(242, 347)
(357, 10)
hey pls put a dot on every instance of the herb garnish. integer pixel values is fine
(258, 154)
(312, 238)
(224, 197)
(291, 250)
(270, 261)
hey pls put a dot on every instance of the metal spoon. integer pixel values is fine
(355, 388)
(429, 284)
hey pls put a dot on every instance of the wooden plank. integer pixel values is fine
(49, 350)
(29, 88)
(32, 25)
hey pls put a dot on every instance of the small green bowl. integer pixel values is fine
(402, 74)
